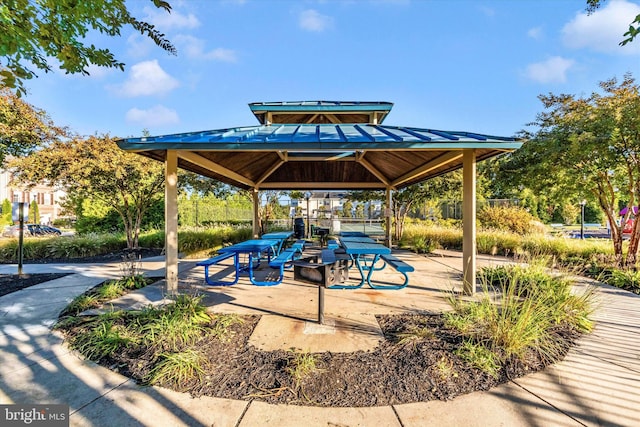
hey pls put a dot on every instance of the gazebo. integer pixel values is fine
(313, 145)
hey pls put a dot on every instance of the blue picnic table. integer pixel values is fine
(363, 252)
(279, 237)
(253, 249)
(357, 239)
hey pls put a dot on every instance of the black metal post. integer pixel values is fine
(20, 236)
(321, 305)
(582, 219)
(308, 228)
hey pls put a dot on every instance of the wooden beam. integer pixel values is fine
(312, 118)
(428, 167)
(322, 185)
(335, 157)
(171, 221)
(332, 118)
(469, 222)
(198, 160)
(269, 171)
(371, 168)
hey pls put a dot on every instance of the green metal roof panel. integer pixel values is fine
(313, 136)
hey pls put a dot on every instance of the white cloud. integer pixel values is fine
(553, 70)
(139, 46)
(535, 33)
(487, 11)
(164, 20)
(156, 116)
(602, 30)
(147, 78)
(312, 20)
(193, 47)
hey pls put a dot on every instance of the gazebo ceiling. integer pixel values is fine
(321, 155)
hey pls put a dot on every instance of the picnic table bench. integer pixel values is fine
(400, 266)
(253, 249)
(215, 260)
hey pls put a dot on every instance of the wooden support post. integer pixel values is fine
(388, 214)
(171, 221)
(256, 213)
(469, 221)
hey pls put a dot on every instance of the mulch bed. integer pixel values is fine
(427, 369)
(12, 282)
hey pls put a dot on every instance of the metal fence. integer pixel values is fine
(335, 224)
(453, 209)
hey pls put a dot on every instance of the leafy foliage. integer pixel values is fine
(625, 279)
(95, 168)
(23, 127)
(590, 143)
(507, 218)
(33, 32)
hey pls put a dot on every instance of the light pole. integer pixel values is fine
(307, 196)
(582, 203)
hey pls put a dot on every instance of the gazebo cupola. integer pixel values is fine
(321, 112)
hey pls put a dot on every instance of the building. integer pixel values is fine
(47, 198)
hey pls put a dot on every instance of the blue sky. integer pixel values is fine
(474, 66)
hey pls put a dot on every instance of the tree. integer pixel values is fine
(34, 212)
(589, 147)
(32, 32)
(347, 209)
(7, 217)
(23, 128)
(95, 168)
(634, 26)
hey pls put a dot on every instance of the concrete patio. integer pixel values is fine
(596, 384)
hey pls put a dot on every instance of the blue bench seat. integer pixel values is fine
(285, 256)
(215, 260)
(333, 244)
(398, 265)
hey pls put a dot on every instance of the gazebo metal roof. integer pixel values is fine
(295, 156)
(316, 149)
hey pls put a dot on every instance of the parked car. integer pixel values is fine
(43, 230)
(31, 230)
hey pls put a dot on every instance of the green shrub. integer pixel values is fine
(625, 279)
(519, 312)
(102, 340)
(495, 242)
(507, 218)
(178, 369)
(479, 356)
(301, 366)
(179, 324)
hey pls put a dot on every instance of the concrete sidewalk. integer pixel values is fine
(598, 383)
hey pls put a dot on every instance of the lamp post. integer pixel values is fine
(307, 196)
(582, 203)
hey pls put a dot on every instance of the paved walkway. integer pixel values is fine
(598, 383)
